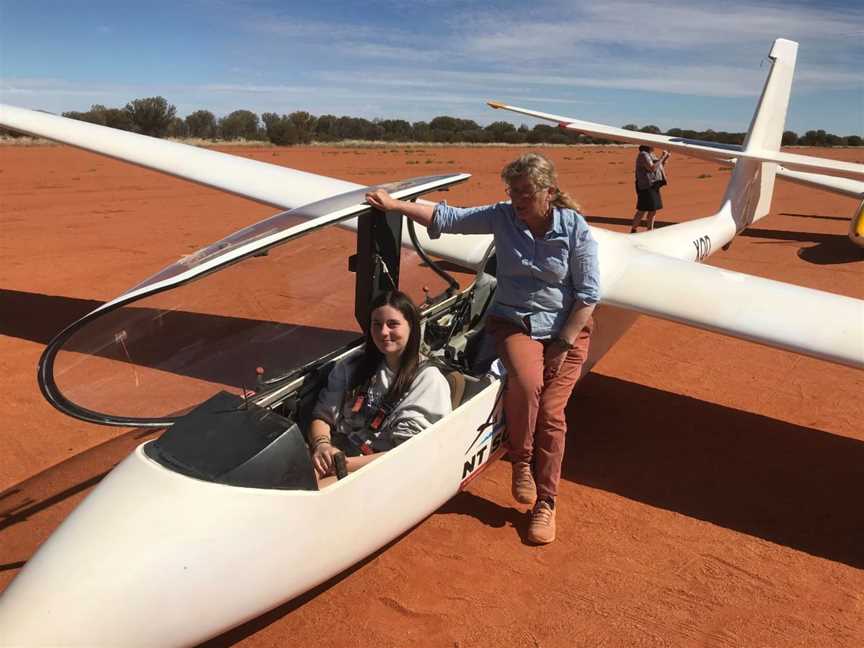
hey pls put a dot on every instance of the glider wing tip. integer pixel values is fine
(496, 104)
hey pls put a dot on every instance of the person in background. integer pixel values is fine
(381, 398)
(548, 285)
(650, 177)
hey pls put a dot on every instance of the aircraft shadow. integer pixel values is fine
(8, 566)
(833, 252)
(830, 249)
(38, 317)
(803, 237)
(488, 512)
(32, 509)
(831, 218)
(791, 485)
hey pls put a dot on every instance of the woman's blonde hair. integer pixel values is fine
(541, 173)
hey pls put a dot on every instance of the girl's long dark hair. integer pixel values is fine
(409, 361)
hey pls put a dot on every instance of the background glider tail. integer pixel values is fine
(752, 186)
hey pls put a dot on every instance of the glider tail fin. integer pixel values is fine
(752, 186)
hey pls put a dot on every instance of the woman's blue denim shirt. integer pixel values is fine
(539, 280)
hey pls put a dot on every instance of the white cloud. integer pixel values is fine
(557, 30)
(679, 48)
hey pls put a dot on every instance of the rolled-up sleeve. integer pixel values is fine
(457, 220)
(585, 268)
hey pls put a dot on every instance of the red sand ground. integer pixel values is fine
(712, 487)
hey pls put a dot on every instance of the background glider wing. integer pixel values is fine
(694, 148)
(845, 186)
(803, 320)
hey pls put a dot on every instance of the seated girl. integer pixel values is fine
(380, 398)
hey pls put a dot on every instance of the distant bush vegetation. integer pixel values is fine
(156, 117)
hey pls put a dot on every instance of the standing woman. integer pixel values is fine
(650, 176)
(548, 285)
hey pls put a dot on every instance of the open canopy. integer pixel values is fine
(277, 295)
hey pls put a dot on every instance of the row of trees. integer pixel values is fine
(156, 117)
(790, 138)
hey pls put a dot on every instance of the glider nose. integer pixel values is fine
(95, 580)
(144, 560)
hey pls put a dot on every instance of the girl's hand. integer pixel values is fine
(322, 459)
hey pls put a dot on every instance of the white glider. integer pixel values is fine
(175, 545)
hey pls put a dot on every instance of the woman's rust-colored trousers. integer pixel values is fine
(534, 401)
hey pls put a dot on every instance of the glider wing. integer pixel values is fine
(266, 183)
(845, 186)
(695, 148)
(803, 320)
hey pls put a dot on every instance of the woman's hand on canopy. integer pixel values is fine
(382, 200)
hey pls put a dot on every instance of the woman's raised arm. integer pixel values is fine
(421, 214)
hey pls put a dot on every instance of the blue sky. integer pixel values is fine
(696, 64)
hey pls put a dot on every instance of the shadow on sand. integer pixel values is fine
(816, 216)
(37, 317)
(216, 348)
(830, 249)
(831, 252)
(54, 492)
(792, 485)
